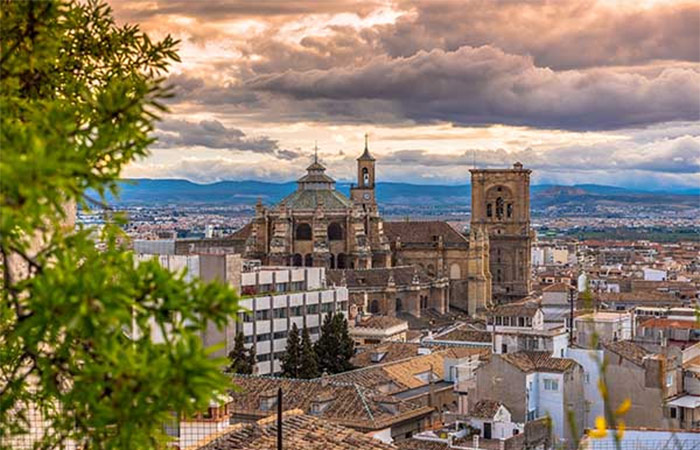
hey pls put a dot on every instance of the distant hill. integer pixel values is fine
(163, 191)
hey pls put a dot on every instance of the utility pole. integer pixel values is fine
(571, 316)
(279, 419)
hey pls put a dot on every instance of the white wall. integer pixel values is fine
(588, 360)
(551, 403)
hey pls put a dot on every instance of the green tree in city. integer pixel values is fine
(334, 347)
(241, 359)
(308, 364)
(104, 349)
(292, 354)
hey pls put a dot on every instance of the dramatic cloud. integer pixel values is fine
(480, 86)
(213, 134)
(580, 90)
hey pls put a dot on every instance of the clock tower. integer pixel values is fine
(363, 192)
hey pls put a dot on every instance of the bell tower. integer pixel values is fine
(363, 192)
(501, 206)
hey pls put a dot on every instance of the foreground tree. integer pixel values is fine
(308, 363)
(241, 359)
(292, 354)
(335, 347)
(78, 100)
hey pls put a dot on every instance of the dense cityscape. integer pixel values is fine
(350, 224)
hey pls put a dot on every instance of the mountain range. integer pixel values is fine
(173, 191)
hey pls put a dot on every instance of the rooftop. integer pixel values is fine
(531, 361)
(628, 350)
(485, 409)
(422, 232)
(298, 430)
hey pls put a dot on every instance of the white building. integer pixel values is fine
(590, 360)
(606, 326)
(274, 297)
(654, 274)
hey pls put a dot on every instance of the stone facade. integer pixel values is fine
(318, 226)
(501, 205)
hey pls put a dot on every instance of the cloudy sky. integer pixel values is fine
(581, 91)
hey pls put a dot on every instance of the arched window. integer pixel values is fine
(297, 260)
(303, 232)
(399, 305)
(342, 261)
(374, 307)
(455, 272)
(431, 270)
(309, 260)
(335, 232)
(509, 210)
(499, 207)
(365, 176)
(489, 210)
(332, 261)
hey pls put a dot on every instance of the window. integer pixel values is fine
(551, 384)
(587, 378)
(264, 337)
(489, 210)
(262, 314)
(312, 309)
(297, 311)
(335, 232)
(280, 313)
(669, 379)
(673, 413)
(531, 415)
(281, 287)
(263, 357)
(280, 334)
(303, 232)
(343, 306)
(265, 288)
(245, 317)
(504, 348)
(248, 339)
(499, 320)
(528, 321)
(509, 210)
(313, 330)
(326, 307)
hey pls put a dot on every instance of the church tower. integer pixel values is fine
(363, 192)
(501, 205)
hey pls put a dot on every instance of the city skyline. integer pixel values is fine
(582, 92)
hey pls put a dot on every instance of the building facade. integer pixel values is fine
(501, 205)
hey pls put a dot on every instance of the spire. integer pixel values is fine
(366, 155)
(316, 151)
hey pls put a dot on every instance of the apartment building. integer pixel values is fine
(275, 298)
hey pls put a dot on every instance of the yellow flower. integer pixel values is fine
(620, 429)
(602, 388)
(600, 430)
(624, 407)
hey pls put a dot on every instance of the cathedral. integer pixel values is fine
(407, 266)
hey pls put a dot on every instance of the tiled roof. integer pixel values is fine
(638, 297)
(416, 232)
(521, 309)
(402, 375)
(242, 233)
(299, 431)
(310, 198)
(353, 405)
(557, 287)
(392, 351)
(671, 323)
(530, 361)
(378, 277)
(464, 334)
(485, 409)
(380, 322)
(628, 350)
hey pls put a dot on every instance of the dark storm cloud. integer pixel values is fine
(213, 134)
(679, 156)
(480, 86)
(560, 34)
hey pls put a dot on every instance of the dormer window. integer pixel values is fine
(268, 401)
(320, 404)
(389, 404)
(377, 356)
